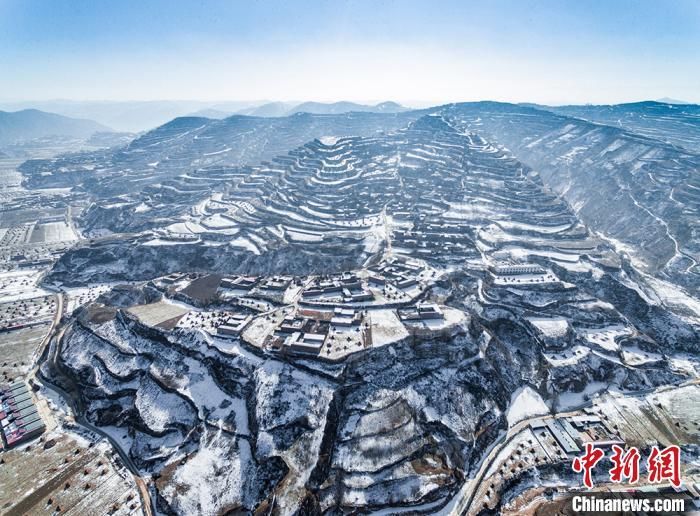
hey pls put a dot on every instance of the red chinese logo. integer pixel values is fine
(587, 463)
(665, 465)
(662, 465)
(625, 465)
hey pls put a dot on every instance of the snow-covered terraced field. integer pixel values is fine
(414, 287)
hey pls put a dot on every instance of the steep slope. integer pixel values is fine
(678, 124)
(636, 190)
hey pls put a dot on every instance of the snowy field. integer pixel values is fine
(604, 337)
(525, 403)
(386, 327)
(52, 232)
(553, 327)
(20, 284)
(155, 314)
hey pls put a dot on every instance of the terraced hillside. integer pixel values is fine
(223, 423)
(154, 161)
(637, 191)
(427, 191)
(678, 124)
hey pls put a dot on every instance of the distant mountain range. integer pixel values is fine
(273, 109)
(278, 109)
(136, 116)
(130, 116)
(668, 100)
(29, 124)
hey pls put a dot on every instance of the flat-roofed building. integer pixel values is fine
(341, 320)
(19, 418)
(376, 279)
(291, 325)
(565, 441)
(305, 343)
(362, 296)
(234, 325)
(277, 283)
(515, 270)
(239, 282)
(172, 278)
(407, 282)
(429, 311)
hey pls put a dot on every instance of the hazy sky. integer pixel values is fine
(409, 51)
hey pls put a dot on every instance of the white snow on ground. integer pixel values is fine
(386, 327)
(550, 326)
(218, 221)
(212, 479)
(206, 394)
(571, 400)
(525, 403)
(284, 396)
(222, 151)
(246, 244)
(160, 409)
(605, 336)
(329, 140)
(53, 232)
(569, 357)
(78, 296)
(685, 364)
(673, 296)
(20, 284)
(141, 208)
(634, 356)
(508, 450)
(566, 260)
(467, 211)
(507, 224)
(304, 236)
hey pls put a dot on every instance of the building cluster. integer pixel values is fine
(18, 415)
(344, 288)
(567, 436)
(278, 284)
(402, 274)
(308, 331)
(219, 322)
(272, 287)
(240, 282)
(172, 278)
(421, 312)
(394, 281)
(234, 325)
(326, 316)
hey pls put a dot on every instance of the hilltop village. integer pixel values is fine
(327, 317)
